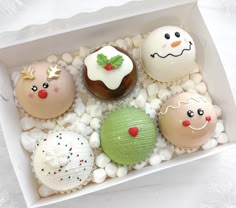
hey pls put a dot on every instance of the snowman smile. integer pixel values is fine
(170, 54)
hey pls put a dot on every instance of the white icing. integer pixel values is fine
(179, 102)
(197, 129)
(113, 78)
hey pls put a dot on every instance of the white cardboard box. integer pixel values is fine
(91, 29)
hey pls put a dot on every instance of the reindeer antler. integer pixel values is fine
(28, 73)
(53, 72)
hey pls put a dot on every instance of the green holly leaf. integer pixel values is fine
(116, 61)
(102, 60)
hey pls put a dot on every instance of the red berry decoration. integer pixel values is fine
(109, 64)
(133, 131)
(109, 67)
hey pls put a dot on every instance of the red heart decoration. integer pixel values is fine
(133, 131)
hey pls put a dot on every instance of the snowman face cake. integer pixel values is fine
(187, 120)
(168, 54)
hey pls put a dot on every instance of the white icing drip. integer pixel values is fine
(197, 129)
(113, 78)
(179, 102)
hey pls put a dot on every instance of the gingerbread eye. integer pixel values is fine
(167, 36)
(200, 112)
(190, 113)
(45, 85)
(177, 34)
(34, 88)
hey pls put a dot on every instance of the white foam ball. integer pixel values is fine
(163, 94)
(14, 77)
(83, 52)
(155, 103)
(153, 89)
(49, 124)
(217, 110)
(102, 160)
(95, 123)
(222, 138)
(121, 44)
(154, 159)
(36, 133)
(188, 84)
(77, 62)
(161, 142)
(122, 171)
(67, 57)
(140, 165)
(147, 82)
(219, 128)
(136, 53)
(99, 175)
(210, 144)
(27, 123)
(52, 59)
(166, 154)
(62, 63)
(129, 43)
(175, 89)
(44, 191)
(111, 170)
(196, 77)
(141, 99)
(137, 41)
(94, 110)
(79, 108)
(86, 118)
(179, 151)
(68, 118)
(201, 88)
(73, 70)
(28, 141)
(94, 140)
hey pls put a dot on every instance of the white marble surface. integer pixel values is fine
(207, 183)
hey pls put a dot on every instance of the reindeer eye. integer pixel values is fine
(34, 88)
(45, 85)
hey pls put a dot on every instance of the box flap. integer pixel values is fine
(83, 20)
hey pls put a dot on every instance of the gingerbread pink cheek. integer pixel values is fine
(56, 89)
(30, 95)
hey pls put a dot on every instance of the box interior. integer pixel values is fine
(187, 16)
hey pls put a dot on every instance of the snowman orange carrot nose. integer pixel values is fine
(175, 44)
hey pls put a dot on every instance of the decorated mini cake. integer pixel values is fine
(109, 73)
(63, 161)
(45, 90)
(187, 120)
(128, 136)
(168, 54)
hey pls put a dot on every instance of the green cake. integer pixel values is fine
(128, 136)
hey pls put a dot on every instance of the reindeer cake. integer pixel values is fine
(45, 90)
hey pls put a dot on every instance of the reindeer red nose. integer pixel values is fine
(42, 94)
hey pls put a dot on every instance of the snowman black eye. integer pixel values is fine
(200, 111)
(167, 36)
(34, 88)
(45, 85)
(177, 34)
(190, 113)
